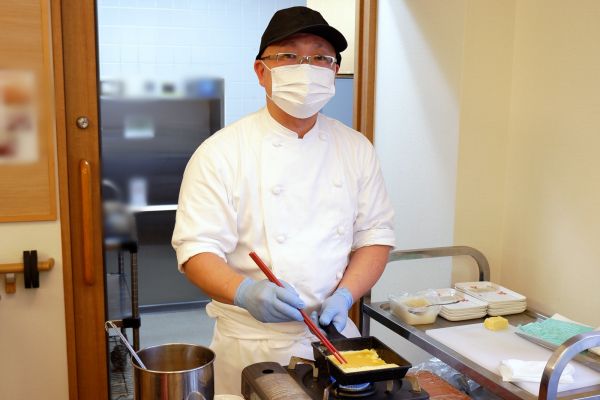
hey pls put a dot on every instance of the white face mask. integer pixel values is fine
(301, 90)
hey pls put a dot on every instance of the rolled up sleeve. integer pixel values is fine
(205, 219)
(374, 224)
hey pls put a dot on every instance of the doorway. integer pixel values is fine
(171, 73)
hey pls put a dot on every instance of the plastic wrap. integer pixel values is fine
(454, 378)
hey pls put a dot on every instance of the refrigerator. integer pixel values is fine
(146, 142)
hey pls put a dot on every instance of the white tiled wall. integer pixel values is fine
(171, 40)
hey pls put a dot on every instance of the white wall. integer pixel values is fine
(33, 348)
(484, 119)
(552, 221)
(340, 14)
(418, 76)
(32, 321)
(528, 166)
(487, 127)
(173, 40)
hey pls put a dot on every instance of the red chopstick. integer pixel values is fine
(313, 328)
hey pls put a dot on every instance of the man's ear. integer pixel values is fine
(259, 69)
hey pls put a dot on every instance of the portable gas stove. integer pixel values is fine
(302, 380)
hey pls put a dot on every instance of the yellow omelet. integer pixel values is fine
(360, 360)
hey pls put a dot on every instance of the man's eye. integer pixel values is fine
(287, 56)
(320, 58)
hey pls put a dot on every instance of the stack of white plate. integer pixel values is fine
(501, 301)
(461, 307)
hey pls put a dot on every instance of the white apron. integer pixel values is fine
(239, 340)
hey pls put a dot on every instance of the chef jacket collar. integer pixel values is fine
(277, 128)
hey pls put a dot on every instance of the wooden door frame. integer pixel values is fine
(75, 78)
(76, 94)
(364, 67)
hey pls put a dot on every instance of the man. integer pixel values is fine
(303, 191)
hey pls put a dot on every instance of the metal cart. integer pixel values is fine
(122, 296)
(380, 312)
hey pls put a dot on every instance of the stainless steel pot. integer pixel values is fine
(174, 371)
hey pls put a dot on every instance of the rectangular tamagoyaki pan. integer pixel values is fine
(343, 343)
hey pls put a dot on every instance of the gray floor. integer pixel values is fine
(187, 326)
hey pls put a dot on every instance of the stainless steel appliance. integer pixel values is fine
(146, 143)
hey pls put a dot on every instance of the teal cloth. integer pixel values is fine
(553, 330)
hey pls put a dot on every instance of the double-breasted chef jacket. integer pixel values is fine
(301, 204)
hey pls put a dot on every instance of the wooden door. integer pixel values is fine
(75, 59)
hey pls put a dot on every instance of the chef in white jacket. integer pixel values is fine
(302, 190)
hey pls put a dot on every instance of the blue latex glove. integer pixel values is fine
(314, 317)
(335, 309)
(268, 302)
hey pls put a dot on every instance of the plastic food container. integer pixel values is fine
(417, 308)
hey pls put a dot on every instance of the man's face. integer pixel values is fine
(303, 44)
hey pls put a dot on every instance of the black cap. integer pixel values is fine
(290, 21)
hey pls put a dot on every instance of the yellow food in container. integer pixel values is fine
(360, 360)
(414, 309)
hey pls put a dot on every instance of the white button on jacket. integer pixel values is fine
(241, 190)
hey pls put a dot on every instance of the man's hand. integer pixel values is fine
(335, 309)
(268, 302)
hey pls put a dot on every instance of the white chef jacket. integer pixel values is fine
(301, 204)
